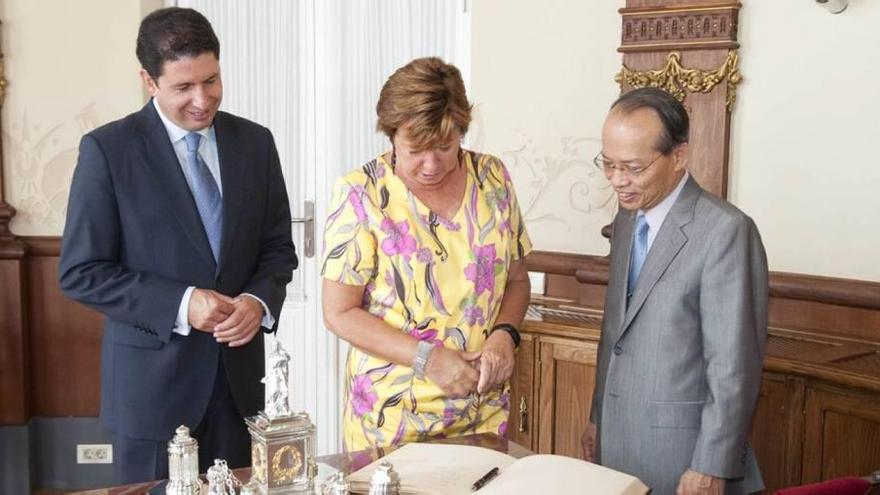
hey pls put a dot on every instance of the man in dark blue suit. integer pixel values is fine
(178, 231)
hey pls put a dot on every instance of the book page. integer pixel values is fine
(441, 469)
(558, 475)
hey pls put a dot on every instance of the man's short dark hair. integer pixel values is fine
(673, 116)
(171, 33)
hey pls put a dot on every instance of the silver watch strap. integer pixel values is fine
(420, 361)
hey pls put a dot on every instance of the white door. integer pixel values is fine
(311, 71)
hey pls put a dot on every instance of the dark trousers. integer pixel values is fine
(222, 434)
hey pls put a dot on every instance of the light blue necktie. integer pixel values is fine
(205, 192)
(639, 252)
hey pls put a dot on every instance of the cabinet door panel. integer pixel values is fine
(842, 434)
(567, 380)
(520, 426)
(777, 430)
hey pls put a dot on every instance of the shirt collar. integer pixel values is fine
(657, 214)
(175, 132)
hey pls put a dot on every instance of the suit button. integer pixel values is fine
(618, 350)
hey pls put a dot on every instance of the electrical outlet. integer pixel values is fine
(94, 453)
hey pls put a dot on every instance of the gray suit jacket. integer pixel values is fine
(679, 368)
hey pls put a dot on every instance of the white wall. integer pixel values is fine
(542, 80)
(70, 67)
(805, 152)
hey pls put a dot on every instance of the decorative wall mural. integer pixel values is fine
(560, 188)
(40, 161)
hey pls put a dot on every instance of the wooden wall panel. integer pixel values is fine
(14, 377)
(65, 342)
(797, 301)
(836, 319)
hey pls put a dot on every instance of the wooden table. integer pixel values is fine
(345, 462)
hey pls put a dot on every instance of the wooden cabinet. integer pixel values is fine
(552, 388)
(817, 417)
(842, 433)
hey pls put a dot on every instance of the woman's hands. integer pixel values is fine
(453, 371)
(496, 361)
(459, 373)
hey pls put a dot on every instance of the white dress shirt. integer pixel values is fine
(656, 215)
(208, 152)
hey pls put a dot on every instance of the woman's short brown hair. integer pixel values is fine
(427, 96)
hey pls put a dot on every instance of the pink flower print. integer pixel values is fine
(501, 199)
(482, 272)
(427, 335)
(450, 416)
(398, 241)
(502, 430)
(363, 397)
(424, 256)
(447, 224)
(505, 401)
(354, 197)
(474, 315)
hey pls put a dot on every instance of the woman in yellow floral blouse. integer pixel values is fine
(424, 272)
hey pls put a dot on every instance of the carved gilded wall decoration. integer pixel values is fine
(678, 80)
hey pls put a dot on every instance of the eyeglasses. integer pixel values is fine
(608, 168)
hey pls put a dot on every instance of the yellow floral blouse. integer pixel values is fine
(439, 280)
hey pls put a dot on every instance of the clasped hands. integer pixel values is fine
(234, 321)
(459, 373)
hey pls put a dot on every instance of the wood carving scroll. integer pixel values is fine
(679, 28)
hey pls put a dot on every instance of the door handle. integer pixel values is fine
(308, 221)
(523, 414)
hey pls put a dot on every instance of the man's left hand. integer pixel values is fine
(694, 483)
(496, 362)
(242, 325)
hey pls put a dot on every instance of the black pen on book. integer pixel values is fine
(480, 483)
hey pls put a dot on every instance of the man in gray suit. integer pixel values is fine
(682, 344)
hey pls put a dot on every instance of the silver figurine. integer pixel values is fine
(277, 383)
(282, 443)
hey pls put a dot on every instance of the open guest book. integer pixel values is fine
(440, 469)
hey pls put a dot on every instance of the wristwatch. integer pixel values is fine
(511, 330)
(420, 361)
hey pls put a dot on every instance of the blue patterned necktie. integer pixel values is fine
(205, 192)
(639, 252)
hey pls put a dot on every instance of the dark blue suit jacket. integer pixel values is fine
(134, 242)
